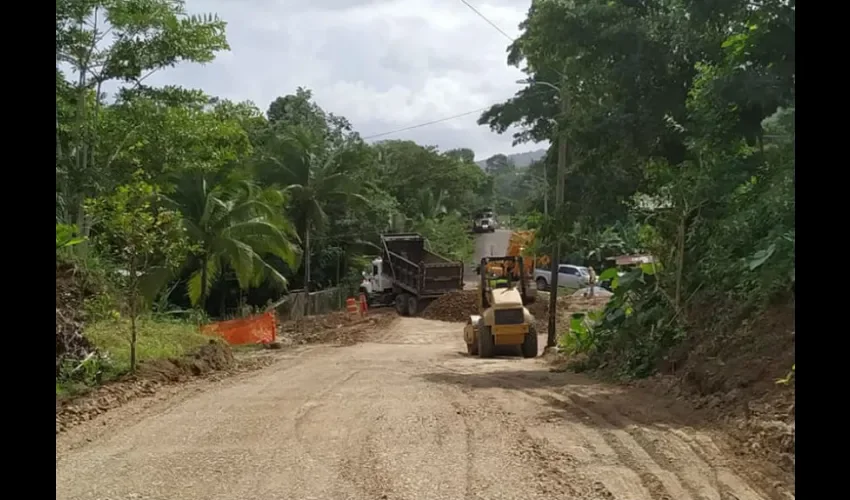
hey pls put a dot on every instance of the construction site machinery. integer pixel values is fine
(519, 245)
(484, 221)
(503, 319)
(408, 275)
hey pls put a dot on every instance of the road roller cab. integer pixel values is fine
(502, 320)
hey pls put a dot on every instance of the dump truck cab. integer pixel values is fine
(503, 319)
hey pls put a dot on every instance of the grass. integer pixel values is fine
(157, 338)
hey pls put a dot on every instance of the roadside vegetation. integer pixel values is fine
(174, 206)
(680, 132)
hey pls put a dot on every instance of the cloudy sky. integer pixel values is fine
(383, 64)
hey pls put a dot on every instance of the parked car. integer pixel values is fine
(569, 276)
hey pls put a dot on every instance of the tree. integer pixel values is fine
(148, 35)
(141, 235)
(165, 132)
(465, 155)
(233, 225)
(679, 145)
(312, 177)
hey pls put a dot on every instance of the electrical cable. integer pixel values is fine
(497, 28)
(491, 23)
(426, 123)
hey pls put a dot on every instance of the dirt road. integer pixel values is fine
(407, 416)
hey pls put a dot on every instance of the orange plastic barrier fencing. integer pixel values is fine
(254, 330)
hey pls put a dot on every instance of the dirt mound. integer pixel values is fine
(338, 328)
(453, 306)
(211, 357)
(731, 372)
(567, 305)
(212, 361)
(70, 293)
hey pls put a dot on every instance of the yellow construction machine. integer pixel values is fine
(502, 320)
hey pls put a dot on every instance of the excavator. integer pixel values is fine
(503, 319)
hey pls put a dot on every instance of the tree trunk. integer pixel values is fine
(222, 306)
(552, 334)
(133, 286)
(680, 264)
(307, 268)
(203, 298)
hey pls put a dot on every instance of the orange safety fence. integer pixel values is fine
(254, 330)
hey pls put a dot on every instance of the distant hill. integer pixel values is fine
(521, 160)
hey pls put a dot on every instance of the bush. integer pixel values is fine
(449, 237)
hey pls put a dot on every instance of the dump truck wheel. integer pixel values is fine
(412, 306)
(401, 304)
(529, 343)
(486, 342)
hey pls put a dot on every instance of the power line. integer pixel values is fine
(426, 123)
(497, 28)
(500, 30)
(491, 23)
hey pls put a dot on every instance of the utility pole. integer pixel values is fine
(552, 332)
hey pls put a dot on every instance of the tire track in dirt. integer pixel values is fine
(658, 483)
(358, 466)
(668, 468)
(604, 451)
(705, 448)
(556, 472)
(673, 456)
(669, 445)
(543, 467)
(635, 443)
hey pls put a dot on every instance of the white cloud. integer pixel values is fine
(383, 64)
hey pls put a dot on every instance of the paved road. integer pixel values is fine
(486, 244)
(406, 416)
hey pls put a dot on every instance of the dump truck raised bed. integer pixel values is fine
(408, 275)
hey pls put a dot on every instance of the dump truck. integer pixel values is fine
(502, 320)
(484, 221)
(408, 275)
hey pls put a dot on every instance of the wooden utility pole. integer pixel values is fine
(552, 333)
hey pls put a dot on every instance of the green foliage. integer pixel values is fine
(448, 236)
(142, 236)
(232, 225)
(249, 189)
(580, 338)
(66, 237)
(680, 129)
(114, 40)
(159, 338)
(136, 229)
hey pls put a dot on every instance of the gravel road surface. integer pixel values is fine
(406, 416)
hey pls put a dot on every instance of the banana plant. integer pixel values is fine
(66, 236)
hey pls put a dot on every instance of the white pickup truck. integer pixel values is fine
(569, 276)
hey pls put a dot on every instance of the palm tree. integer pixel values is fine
(430, 205)
(234, 225)
(313, 177)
